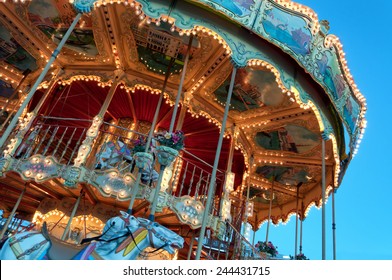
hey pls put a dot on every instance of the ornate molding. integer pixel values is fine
(38, 168)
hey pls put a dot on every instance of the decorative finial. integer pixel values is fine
(324, 26)
(83, 6)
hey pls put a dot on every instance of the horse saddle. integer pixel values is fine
(59, 249)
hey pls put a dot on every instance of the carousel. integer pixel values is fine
(137, 129)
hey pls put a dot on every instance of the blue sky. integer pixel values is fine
(363, 201)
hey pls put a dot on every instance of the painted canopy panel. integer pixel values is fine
(288, 29)
(156, 45)
(58, 15)
(258, 195)
(289, 176)
(5, 89)
(239, 10)
(252, 89)
(12, 53)
(292, 138)
(351, 112)
(237, 7)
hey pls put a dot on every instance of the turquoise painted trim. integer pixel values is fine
(84, 6)
(244, 14)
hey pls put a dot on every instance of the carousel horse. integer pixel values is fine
(124, 238)
(112, 153)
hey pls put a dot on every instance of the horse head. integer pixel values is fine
(119, 224)
(161, 237)
(125, 237)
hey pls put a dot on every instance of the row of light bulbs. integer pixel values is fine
(40, 218)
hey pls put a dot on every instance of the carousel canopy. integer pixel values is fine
(292, 89)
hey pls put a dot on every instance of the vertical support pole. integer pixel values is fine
(56, 52)
(296, 226)
(151, 217)
(155, 119)
(181, 117)
(231, 151)
(66, 230)
(5, 227)
(254, 231)
(173, 119)
(300, 235)
(333, 224)
(191, 246)
(323, 255)
(215, 168)
(226, 194)
(135, 190)
(270, 208)
(109, 96)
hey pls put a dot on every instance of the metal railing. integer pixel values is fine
(233, 246)
(57, 137)
(112, 148)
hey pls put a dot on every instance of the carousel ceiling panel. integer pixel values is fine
(6, 89)
(261, 197)
(156, 45)
(253, 89)
(285, 175)
(13, 54)
(288, 138)
(53, 19)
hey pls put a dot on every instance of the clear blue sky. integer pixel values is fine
(363, 201)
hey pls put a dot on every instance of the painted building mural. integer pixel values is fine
(157, 45)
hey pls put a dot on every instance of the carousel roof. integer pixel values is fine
(292, 88)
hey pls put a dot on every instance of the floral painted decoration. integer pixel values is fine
(267, 247)
(174, 140)
(139, 145)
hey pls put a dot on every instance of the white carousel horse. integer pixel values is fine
(124, 238)
(112, 153)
